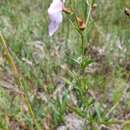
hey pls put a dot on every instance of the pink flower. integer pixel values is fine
(55, 14)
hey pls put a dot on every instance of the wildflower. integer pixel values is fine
(55, 14)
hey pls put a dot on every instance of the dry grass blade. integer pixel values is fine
(10, 87)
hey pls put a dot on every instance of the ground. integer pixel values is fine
(48, 83)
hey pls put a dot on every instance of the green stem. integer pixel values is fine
(82, 44)
(89, 12)
(18, 78)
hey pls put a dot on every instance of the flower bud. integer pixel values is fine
(127, 11)
(82, 24)
(93, 11)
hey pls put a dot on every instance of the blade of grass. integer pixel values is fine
(18, 79)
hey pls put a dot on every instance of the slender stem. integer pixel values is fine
(10, 59)
(89, 12)
(82, 44)
(18, 78)
(81, 33)
(67, 37)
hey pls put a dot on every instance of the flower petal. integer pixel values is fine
(56, 6)
(55, 14)
(56, 19)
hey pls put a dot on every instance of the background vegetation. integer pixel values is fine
(51, 89)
